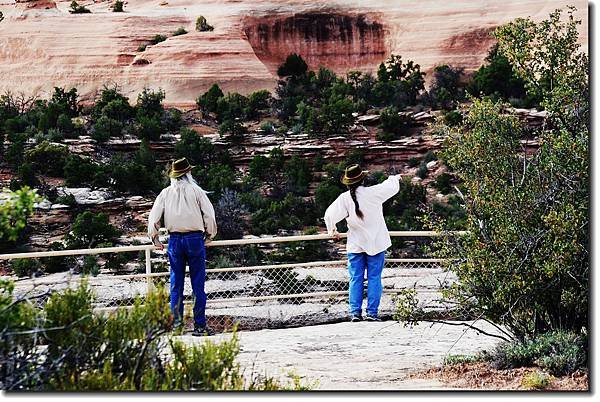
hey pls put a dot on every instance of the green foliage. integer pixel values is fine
(528, 215)
(180, 31)
(157, 39)
(89, 230)
(297, 175)
(442, 183)
(258, 103)
(48, 158)
(451, 360)
(208, 101)
(446, 89)
(16, 207)
(113, 105)
(294, 66)
(422, 171)
(536, 380)
(77, 9)
(80, 171)
(558, 352)
(497, 79)
(200, 152)
(202, 25)
(453, 118)
(57, 264)
(105, 127)
(398, 83)
(142, 47)
(290, 213)
(232, 128)
(393, 124)
(25, 267)
(121, 351)
(117, 6)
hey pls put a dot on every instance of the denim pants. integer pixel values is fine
(188, 248)
(357, 264)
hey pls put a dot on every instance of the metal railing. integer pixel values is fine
(255, 297)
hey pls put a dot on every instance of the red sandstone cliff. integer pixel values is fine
(42, 45)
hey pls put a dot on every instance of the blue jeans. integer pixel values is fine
(188, 248)
(357, 264)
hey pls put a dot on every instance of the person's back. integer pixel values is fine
(368, 237)
(189, 218)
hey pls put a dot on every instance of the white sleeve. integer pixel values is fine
(335, 213)
(208, 214)
(155, 216)
(387, 189)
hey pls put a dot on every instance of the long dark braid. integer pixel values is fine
(353, 188)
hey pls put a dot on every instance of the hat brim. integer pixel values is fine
(174, 174)
(348, 181)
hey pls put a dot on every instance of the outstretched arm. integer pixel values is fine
(388, 188)
(335, 213)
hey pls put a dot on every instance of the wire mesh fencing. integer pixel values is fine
(257, 297)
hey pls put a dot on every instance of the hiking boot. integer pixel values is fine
(203, 331)
(372, 318)
(355, 318)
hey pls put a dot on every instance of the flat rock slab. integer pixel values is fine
(356, 356)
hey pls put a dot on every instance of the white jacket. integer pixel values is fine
(370, 234)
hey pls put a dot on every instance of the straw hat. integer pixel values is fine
(179, 168)
(353, 174)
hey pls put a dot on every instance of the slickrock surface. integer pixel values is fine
(43, 45)
(356, 356)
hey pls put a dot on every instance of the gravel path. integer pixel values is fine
(357, 356)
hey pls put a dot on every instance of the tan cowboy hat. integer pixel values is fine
(179, 168)
(353, 174)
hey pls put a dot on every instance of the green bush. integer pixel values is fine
(442, 183)
(80, 171)
(111, 103)
(294, 66)
(48, 158)
(208, 101)
(180, 31)
(26, 177)
(57, 264)
(26, 267)
(90, 265)
(105, 127)
(258, 103)
(157, 39)
(422, 171)
(202, 25)
(558, 352)
(290, 213)
(89, 230)
(413, 162)
(527, 250)
(122, 351)
(14, 211)
(118, 6)
(453, 118)
(446, 88)
(77, 9)
(393, 125)
(199, 151)
(142, 47)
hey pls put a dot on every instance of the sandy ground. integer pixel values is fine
(356, 356)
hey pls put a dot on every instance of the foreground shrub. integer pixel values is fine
(25, 267)
(128, 350)
(16, 207)
(48, 158)
(558, 352)
(527, 251)
(117, 6)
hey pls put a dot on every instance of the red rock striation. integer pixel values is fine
(42, 45)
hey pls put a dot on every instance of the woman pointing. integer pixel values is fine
(368, 236)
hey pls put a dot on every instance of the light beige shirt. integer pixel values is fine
(370, 234)
(186, 208)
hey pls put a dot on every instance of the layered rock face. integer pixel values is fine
(42, 45)
(323, 38)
